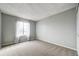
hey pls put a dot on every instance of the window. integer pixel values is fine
(22, 28)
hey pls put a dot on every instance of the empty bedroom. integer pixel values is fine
(39, 29)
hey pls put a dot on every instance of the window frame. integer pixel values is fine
(23, 29)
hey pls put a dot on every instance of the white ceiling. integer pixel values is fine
(35, 11)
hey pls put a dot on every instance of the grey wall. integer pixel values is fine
(59, 29)
(0, 29)
(78, 31)
(9, 29)
(32, 30)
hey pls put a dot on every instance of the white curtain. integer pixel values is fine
(22, 30)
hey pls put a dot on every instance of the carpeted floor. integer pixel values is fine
(36, 48)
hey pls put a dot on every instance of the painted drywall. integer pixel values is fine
(59, 29)
(78, 30)
(35, 11)
(0, 29)
(9, 29)
(32, 30)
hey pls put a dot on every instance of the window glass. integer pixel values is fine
(26, 29)
(22, 28)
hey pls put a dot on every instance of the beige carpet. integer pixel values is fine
(36, 48)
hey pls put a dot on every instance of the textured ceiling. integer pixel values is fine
(35, 11)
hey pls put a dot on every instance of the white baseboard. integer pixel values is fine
(61, 45)
(7, 44)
